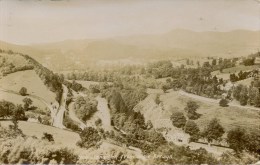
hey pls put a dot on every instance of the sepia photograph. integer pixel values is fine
(130, 82)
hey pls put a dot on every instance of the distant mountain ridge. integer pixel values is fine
(175, 44)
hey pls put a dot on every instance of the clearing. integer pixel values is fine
(30, 80)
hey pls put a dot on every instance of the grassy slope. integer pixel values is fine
(18, 99)
(30, 80)
(69, 139)
(229, 116)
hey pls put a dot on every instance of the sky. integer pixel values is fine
(38, 21)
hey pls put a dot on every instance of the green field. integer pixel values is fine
(30, 80)
(229, 117)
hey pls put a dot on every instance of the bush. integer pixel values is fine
(178, 119)
(98, 122)
(47, 136)
(68, 123)
(29, 150)
(213, 131)
(23, 91)
(191, 109)
(89, 138)
(223, 103)
(236, 138)
(193, 130)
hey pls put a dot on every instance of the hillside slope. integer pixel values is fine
(175, 44)
(30, 80)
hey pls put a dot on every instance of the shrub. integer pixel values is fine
(48, 137)
(85, 107)
(191, 109)
(98, 122)
(29, 150)
(213, 131)
(178, 119)
(23, 91)
(223, 103)
(70, 124)
(193, 130)
(89, 138)
(236, 138)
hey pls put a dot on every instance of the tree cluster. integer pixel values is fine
(239, 140)
(247, 95)
(89, 137)
(85, 107)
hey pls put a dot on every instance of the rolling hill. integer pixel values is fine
(172, 45)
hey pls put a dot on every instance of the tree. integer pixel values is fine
(233, 77)
(213, 131)
(192, 129)
(214, 62)
(257, 100)
(223, 103)
(89, 138)
(191, 106)
(6, 109)
(94, 88)
(164, 88)
(23, 91)
(48, 137)
(27, 102)
(98, 122)
(236, 139)
(191, 109)
(236, 92)
(253, 142)
(243, 96)
(18, 113)
(178, 119)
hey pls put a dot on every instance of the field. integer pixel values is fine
(18, 99)
(229, 117)
(30, 80)
(65, 138)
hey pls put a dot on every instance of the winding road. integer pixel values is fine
(56, 114)
(104, 113)
(58, 118)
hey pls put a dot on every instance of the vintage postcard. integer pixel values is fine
(130, 82)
